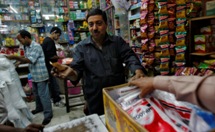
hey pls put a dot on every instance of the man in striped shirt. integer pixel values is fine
(35, 57)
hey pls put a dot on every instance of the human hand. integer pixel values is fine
(138, 74)
(33, 128)
(145, 84)
(67, 71)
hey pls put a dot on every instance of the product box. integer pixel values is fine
(116, 119)
(210, 8)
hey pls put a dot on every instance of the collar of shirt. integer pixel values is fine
(107, 38)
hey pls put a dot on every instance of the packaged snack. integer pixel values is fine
(179, 63)
(180, 42)
(181, 12)
(210, 62)
(206, 30)
(179, 35)
(180, 2)
(164, 38)
(163, 23)
(165, 59)
(180, 28)
(165, 52)
(199, 39)
(164, 65)
(162, 8)
(181, 21)
(180, 49)
(164, 45)
(180, 57)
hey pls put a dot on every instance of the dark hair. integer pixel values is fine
(97, 11)
(23, 33)
(56, 30)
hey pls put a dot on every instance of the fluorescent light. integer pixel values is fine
(13, 9)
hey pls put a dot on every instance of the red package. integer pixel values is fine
(151, 118)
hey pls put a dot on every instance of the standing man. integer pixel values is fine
(98, 60)
(35, 57)
(50, 52)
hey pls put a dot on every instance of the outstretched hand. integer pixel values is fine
(63, 73)
(145, 84)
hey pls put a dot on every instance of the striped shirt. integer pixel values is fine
(37, 67)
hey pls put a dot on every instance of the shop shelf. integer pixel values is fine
(133, 17)
(203, 18)
(202, 54)
(21, 21)
(135, 6)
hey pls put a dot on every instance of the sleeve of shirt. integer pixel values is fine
(193, 89)
(129, 57)
(35, 54)
(78, 62)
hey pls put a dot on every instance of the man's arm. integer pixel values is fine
(194, 89)
(19, 58)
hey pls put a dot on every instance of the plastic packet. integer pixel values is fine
(162, 8)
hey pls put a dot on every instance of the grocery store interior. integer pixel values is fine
(172, 40)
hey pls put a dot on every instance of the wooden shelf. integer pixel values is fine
(202, 54)
(21, 21)
(203, 18)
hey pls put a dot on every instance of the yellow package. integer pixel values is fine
(162, 8)
(180, 42)
(179, 57)
(180, 28)
(164, 65)
(165, 52)
(163, 38)
(181, 14)
(163, 24)
(180, 2)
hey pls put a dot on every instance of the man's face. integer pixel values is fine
(56, 36)
(97, 26)
(23, 41)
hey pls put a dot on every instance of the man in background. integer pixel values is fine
(50, 52)
(35, 57)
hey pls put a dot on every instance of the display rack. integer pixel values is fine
(194, 27)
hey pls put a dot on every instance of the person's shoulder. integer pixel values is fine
(114, 37)
(85, 41)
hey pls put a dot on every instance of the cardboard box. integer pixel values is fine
(210, 8)
(116, 119)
